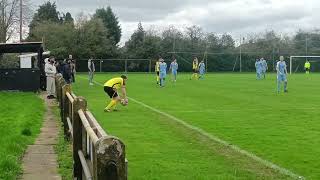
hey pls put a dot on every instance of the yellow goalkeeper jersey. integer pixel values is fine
(195, 65)
(157, 67)
(115, 83)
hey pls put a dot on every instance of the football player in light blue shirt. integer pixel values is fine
(282, 74)
(264, 67)
(174, 69)
(163, 72)
(202, 69)
(258, 68)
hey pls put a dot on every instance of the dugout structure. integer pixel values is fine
(23, 79)
(296, 57)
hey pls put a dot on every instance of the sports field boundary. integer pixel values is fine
(200, 131)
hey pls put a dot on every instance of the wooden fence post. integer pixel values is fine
(109, 159)
(79, 103)
(65, 108)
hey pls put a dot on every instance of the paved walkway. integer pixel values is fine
(40, 160)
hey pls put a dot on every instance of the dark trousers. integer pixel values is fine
(73, 79)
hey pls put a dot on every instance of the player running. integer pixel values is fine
(163, 72)
(111, 87)
(264, 66)
(156, 68)
(174, 69)
(307, 66)
(195, 65)
(202, 69)
(282, 74)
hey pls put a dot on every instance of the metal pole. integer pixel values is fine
(273, 58)
(206, 62)
(125, 66)
(306, 46)
(240, 56)
(101, 65)
(20, 20)
(290, 64)
(174, 43)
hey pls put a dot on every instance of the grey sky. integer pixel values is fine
(219, 16)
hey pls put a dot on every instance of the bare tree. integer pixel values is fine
(10, 17)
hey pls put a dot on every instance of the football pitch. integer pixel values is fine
(227, 126)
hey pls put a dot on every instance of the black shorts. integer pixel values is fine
(158, 73)
(307, 69)
(110, 92)
(195, 70)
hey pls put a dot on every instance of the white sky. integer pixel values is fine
(237, 17)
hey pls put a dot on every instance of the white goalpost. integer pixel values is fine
(291, 58)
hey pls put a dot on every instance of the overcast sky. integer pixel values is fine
(220, 16)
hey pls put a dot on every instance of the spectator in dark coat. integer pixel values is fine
(66, 71)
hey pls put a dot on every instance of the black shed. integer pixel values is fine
(23, 79)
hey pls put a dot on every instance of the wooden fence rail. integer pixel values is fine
(96, 155)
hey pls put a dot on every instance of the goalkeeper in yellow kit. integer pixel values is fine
(157, 70)
(195, 68)
(307, 66)
(111, 87)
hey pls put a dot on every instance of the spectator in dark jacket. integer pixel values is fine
(66, 71)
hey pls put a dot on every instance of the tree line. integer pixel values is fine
(98, 36)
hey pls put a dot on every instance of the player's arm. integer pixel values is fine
(277, 67)
(285, 69)
(124, 92)
(266, 65)
(89, 67)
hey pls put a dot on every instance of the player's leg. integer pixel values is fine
(192, 76)
(89, 77)
(285, 83)
(161, 78)
(278, 83)
(113, 96)
(174, 76)
(158, 78)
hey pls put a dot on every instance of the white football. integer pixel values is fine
(124, 102)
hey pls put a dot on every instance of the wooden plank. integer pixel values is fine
(71, 99)
(70, 126)
(85, 167)
(87, 126)
(79, 103)
(96, 125)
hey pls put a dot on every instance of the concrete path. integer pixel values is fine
(40, 160)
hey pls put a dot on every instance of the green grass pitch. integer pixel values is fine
(21, 117)
(281, 128)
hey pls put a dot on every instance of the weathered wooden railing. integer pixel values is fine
(96, 155)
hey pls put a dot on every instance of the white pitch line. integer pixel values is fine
(216, 139)
(239, 110)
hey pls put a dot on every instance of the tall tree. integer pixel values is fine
(45, 12)
(9, 17)
(134, 46)
(195, 34)
(91, 40)
(111, 22)
(58, 38)
(68, 19)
